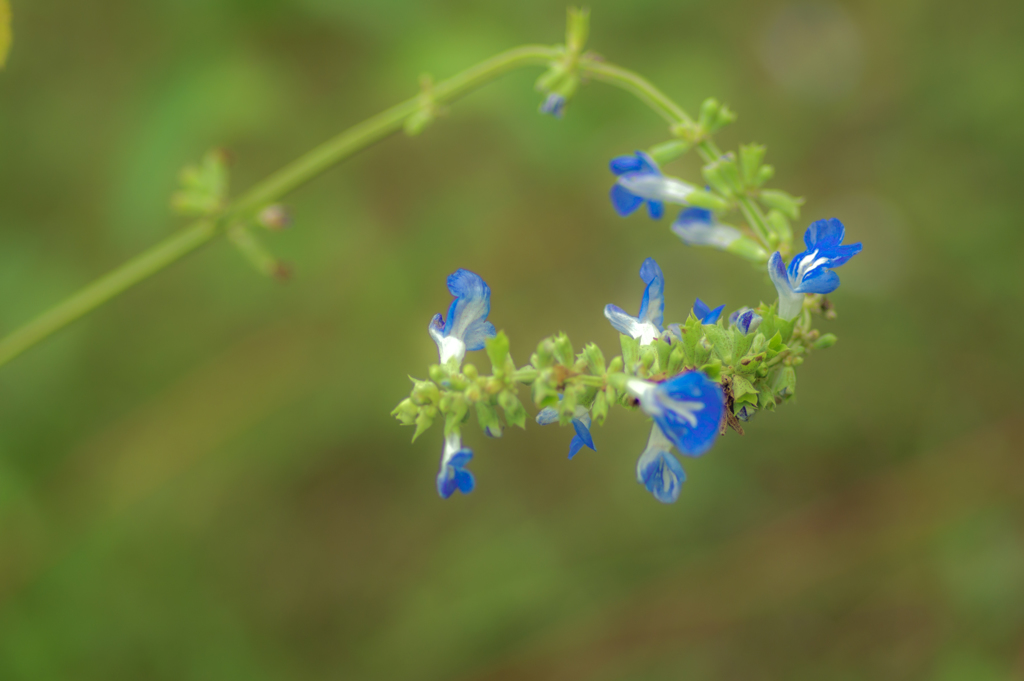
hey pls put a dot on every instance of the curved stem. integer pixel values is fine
(636, 84)
(272, 189)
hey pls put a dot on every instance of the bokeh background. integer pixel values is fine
(201, 480)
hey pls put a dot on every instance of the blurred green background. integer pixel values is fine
(201, 480)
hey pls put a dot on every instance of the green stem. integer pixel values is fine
(636, 84)
(272, 189)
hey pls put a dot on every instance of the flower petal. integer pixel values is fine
(656, 209)
(713, 315)
(547, 416)
(583, 433)
(623, 323)
(688, 409)
(624, 201)
(471, 306)
(647, 164)
(625, 164)
(477, 334)
(575, 446)
(659, 471)
(700, 309)
(819, 280)
(824, 234)
(652, 306)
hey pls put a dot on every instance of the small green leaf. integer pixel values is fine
(721, 341)
(781, 201)
(630, 351)
(515, 414)
(497, 351)
(487, 415)
(743, 390)
(595, 359)
(713, 369)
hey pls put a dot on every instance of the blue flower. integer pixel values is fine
(745, 319)
(698, 227)
(641, 180)
(554, 105)
(647, 325)
(580, 421)
(687, 409)
(466, 327)
(746, 412)
(811, 271)
(453, 474)
(659, 471)
(705, 314)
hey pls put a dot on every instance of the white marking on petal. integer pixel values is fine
(647, 332)
(685, 409)
(807, 264)
(450, 348)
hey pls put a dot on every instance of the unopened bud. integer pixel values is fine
(275, 217)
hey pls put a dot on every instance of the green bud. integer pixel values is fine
(784, 382)
(437, 373)
(748, 249)
(577, 29)
(618, 381)
(781, 201)
(669, 151)
(647, 357)
(203, 186)
(563, 350)
(708, 200)
(826, 341)
(721, 341)
(515, 414)
(779, 224)
(551, 78)
(406, 412)
(713, 369)
(544, 394)
(545, 354)
(595, 359)
(715, 177)
(487, 415)
(764, 173)
(751, 157)
(599, 410)
(526, 375)
(469, 371)
(630, 351)
(615, 366)
(743, 391)
(497, 352)
(725, 117)
(663, 350)
(423, 422)
(458, 409)
(424, 392)
(708, 114)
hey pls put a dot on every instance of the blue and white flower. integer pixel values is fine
(453, 474)
(580, 421)
(640, 180)
(659, 471)
(705, 314)
(553, 105)
(811, 271)
(646, 326)
(687, 409)
(745, 320)
(698, 227)
(466, 327)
